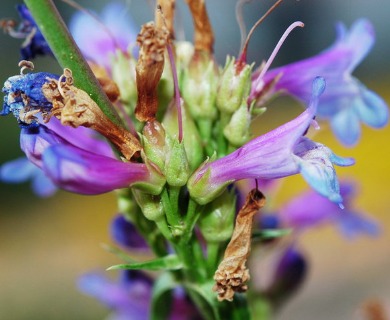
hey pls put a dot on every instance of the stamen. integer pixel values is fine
(240, 20)
(258, 83)
(242, 58)
(25, 64)
(178, 100)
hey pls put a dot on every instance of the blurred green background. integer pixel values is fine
(46, 244)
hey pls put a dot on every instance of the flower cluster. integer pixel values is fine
(175, 142)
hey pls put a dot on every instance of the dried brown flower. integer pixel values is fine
(109, 87)
(152, 41)
(203, 33)
(232, 274)
(74, 107)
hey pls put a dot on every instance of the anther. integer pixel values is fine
(25, 64)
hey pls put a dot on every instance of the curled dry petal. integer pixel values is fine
(75, 108)
(232, 274)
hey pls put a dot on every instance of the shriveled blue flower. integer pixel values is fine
(276, 154)
(346, 102)
(24, 97)
(34, 43)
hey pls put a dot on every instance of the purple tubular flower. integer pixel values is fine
(35, 44)
(78, 167)
(346, 101)
(98, 40)
(21, 170)
(124, 233)
(279, 153)
(310, 210)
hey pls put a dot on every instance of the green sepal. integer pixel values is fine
(169, 262)
(199, 87)
(153, 141)
(217, 221)
(156, 180)
(177, 170)
(234, 86)
(191, 137)
(268, 234)
(200, 189)
(237, 132)
(150, 205)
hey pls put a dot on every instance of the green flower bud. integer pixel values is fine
(150, 205)
(192, 140)
(184, 52)
(237, 131)
(199, 87)
(217, 220)
(234, 86)
(154, 143)
(123, 74)
(176, 165)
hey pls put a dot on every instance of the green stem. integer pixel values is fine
(68, 55)
(192, 216)
(171, 212)
(213, 250)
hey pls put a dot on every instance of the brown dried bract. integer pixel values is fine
(149, 68)
(232, 274)
(203, 33)
(74, 107)
(109, 87)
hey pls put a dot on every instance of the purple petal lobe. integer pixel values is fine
(80, 171)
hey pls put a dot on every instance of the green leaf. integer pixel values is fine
(269, 234)
(170, 262)
(162, 296)
(205, 299)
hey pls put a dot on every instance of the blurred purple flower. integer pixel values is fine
(130, 297)
(99, 40)
(310, 210)
(125, 234)
(289, 275)
(21, 170)
(276, 154)
(346, 101)
(77, 161)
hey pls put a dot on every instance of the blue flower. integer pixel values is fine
(346, 102)
(279, 153)
(124, 233)
(34, 44)
(21, 170)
